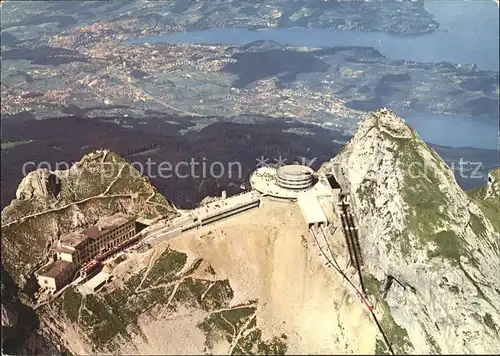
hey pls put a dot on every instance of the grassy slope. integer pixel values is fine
(428, 212)
(490, 206)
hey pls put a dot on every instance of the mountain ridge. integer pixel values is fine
(430, 259)
(50, 203)
(420, 228)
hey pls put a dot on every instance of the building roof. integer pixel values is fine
(264, 180)
(63, 249)
(97, 280)
(73, 239)
(113, 221)
(295, 171)
(92, 232)
(53, 269)
(311, 209)
(106, 223)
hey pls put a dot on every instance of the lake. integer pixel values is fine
(455, 131)
(468, 34)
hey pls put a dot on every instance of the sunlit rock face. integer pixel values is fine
(419, 229)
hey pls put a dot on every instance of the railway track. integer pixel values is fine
(322, 242)
(352, 240)
(324, 247)
(347, 237)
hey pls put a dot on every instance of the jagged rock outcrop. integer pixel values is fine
(9, 312)
(38, 184)
(19, 323)
(493, 188)
(420, 228)
(9, 315)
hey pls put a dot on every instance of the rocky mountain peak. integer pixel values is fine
(385, 122)
(101, 183)
(418, 227)
(45, 185)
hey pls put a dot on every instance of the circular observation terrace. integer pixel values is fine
(295, 177)
(289, 185)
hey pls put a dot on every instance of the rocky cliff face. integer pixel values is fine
(431, 252)
(19, 324)
(10, 314)
(493, 188)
